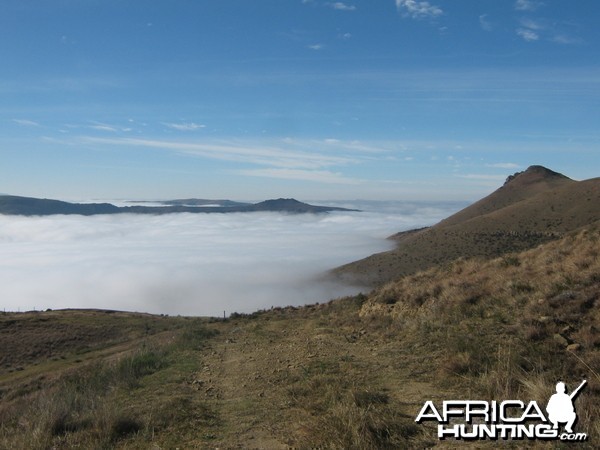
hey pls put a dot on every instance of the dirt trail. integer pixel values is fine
(250, 367)
(242, 380)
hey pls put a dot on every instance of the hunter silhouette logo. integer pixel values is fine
(560, 406)
(509, 419)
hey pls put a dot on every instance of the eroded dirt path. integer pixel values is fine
(252, 369)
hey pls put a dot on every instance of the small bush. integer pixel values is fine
(195, 336)
(64, 423)
(363, 399)
(123, 427)
(130, 369)
(361, 420)
(457, 364)
(521, 287)
(510, 261)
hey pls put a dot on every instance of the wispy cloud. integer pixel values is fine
(418, 9)
(316, 47)
(100, 126)
(484, 23)
(531, 24)
(528, 5)
(26, 123)
(185, 126)
(528, 34)
(565, 39)
(250, 153)
(340, 6)
(544, 29)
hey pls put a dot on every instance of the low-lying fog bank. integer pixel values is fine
(193, 264)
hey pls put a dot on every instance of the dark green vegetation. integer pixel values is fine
(27, 206)
(351, 373)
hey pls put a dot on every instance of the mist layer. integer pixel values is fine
(191, 264)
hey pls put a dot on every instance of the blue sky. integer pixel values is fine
(253, 99)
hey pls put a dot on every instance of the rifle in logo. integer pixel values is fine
(560, 406)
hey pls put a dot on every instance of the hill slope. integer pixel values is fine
(532, 207)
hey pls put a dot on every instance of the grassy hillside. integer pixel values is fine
(509, 327)
(533, 207)
(352, 373)
(97, 379)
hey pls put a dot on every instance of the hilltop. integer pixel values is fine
(532, 207)
(28, 206)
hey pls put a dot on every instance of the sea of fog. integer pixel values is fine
(193, 264)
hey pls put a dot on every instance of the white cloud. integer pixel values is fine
(418, 9)
(527, 5)
(316, 47)
(185, 126)
(342, 6)
(189, 263)
(527, 34)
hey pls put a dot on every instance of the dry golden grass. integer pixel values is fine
(510, 327)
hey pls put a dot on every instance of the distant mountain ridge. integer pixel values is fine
(28, 206)
(532, 207)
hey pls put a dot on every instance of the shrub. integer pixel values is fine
(145, 362)
(124, 426)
